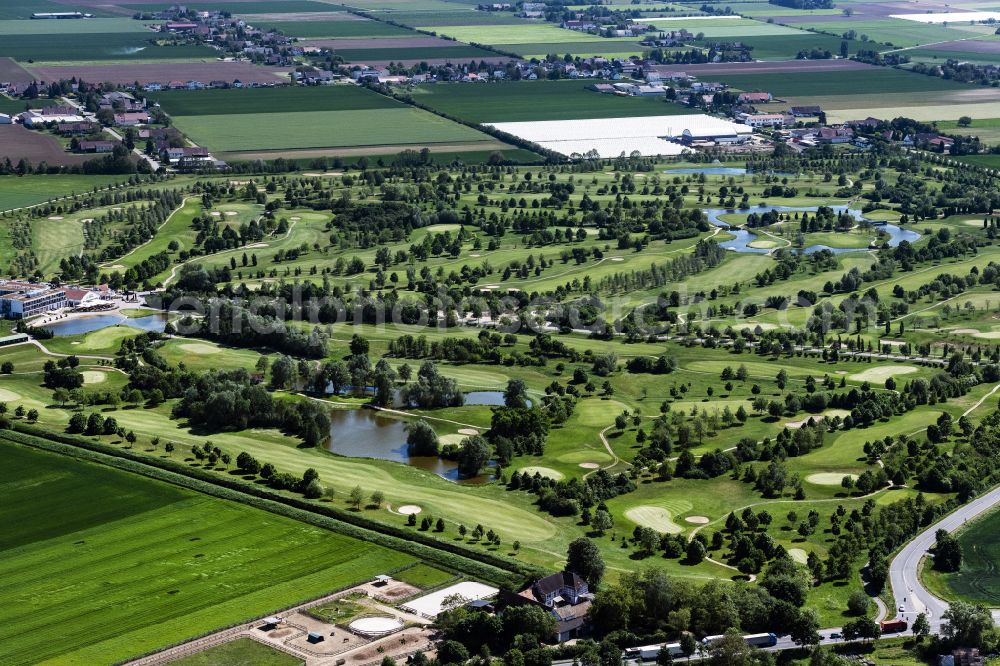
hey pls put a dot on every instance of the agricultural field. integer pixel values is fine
(977, 580)
(83, 588)
(121, 47)
(536, 100)
(350, 118)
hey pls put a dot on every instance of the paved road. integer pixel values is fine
(911, 595)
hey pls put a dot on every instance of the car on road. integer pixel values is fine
(835, 635)
(902, 610)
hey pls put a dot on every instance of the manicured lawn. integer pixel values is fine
(241, 652)
(141, 564)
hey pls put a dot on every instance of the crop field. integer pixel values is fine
(338, 29)
(832, 84)
(16, 143)
(85, 590)
(898, 33)
(240, 7)
(324, 129)
(95, 25)
(789, 45)
(14, 106)
(726, 28)
(296, 99)
(23, 9)
(99, 46)
(456, 53)
(536, 100)
(146, 72)
(546, 37)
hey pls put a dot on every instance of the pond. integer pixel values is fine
(368, 433)
(743, 237)
(87, 324)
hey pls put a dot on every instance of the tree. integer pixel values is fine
(377, 498)
(695, 551)
(452, 652)
(516, 394)
(689, 645)
(130, 438)
(858, 603)
(584, 559)
(357, 497)
(602, 521)
(947, 552)
(421, 440)
(964, 121)
(966, 624)
(475, 453)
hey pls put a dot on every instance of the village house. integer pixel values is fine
(131, 118)
(835, 135)
(96, 146)
(77, 129)
(765, 119)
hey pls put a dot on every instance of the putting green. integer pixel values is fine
(574, 457)
(199, 348)
(446, 440)
(883, 373)
(763, 244)
(544, 471)
(93, 376)
(828, 478)
(659, 518)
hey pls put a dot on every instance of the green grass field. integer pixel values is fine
(423, 576)
(23, 9)
(244, 7)
(978, 581)
(323, 129)
(455, 54)
(94, 25)
(536, 100)
(142, 564)
(17, 191)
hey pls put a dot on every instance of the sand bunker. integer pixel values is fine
(468, 431)
(617, 258)
(295, 219)
(216, 213)
(883, 373)
(828, 478)
(655, 517)
(254, 246)
(799, 555)
(989, 335)
(590, 466)
(116, 267)
(698, 520)
(93, 376)
(543, 471)
(965, 331)
(56, 217)
(6, 395)
(199, 348)
(409, 509)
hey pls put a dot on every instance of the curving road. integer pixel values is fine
(911, 596)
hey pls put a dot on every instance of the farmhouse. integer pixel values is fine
(565, 595)
(754, 98)
(805, 111)
(765, 119)
(77, 129)
(96, 146)
(835, 135)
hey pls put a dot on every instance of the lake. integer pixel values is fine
(86, 324)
